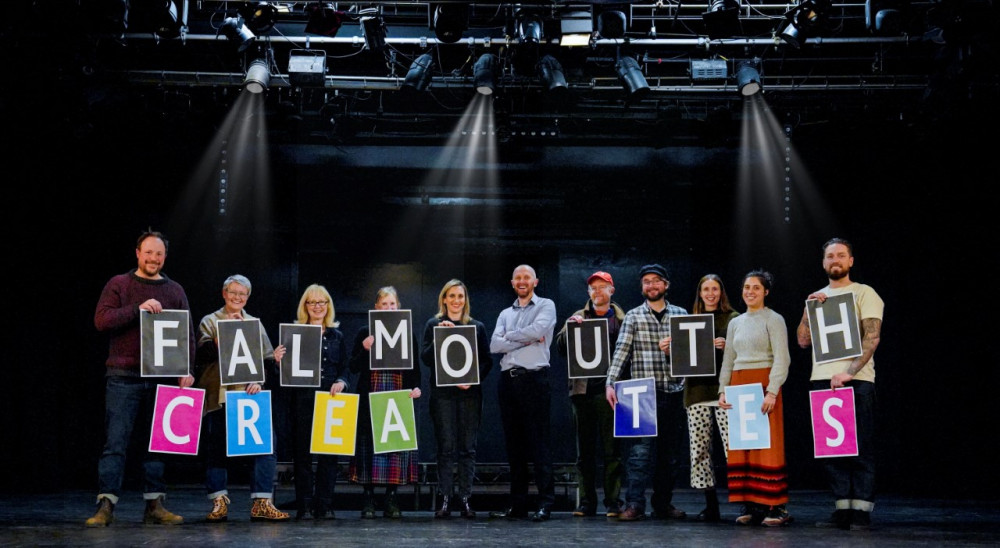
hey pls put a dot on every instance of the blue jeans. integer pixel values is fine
(525, 402)
(128, 403)
(456, 427)
(852, 479)
(595, 430)
(657, 457)
(216, 475)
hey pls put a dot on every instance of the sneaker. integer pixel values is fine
(105, 513)
(614, 510)
(156, 514)
(776, 517)
(860, 520)
(840, 519)
(220, 509)
(263, 510)
(750, 515)
(585, 510)
(631, 513)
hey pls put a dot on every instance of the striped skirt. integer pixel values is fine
(760, 475)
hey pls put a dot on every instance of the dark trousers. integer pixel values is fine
(128, 404)
(216, 473)
(525, 402)
(456, 428)
(852, 479)
(656, 459)
(309, 486)
(595, 432)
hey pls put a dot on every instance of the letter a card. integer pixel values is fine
(394, 427)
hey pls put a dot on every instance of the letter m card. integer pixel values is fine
(835, 431)
(249, 428)
(176, 420)
(635, 413)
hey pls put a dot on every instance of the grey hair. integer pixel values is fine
(240, 279)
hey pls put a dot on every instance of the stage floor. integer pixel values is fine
(58, 520)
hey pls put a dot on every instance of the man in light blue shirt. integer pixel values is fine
(523, 333)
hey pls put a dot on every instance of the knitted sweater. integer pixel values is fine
(757, 340)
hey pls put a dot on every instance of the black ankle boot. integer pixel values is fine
(391, 506)
(444, 511)
(711, 511)
(465, 510)
(368, 508)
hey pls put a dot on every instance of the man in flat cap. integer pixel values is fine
(644, 341)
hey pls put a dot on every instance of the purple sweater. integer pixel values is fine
(118, 315)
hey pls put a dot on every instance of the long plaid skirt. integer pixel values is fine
(396, 468)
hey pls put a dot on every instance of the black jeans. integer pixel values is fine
(309, 486)
(595, 431)
(525, 401)
(456, 428)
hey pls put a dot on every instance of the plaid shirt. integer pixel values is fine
(638, 342)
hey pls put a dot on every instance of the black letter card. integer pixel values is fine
(241, 356)
(392, 348)
(164, 341)
(456, 356)
(692, 345)
(836, 334)
(303, 359)
(588, 351)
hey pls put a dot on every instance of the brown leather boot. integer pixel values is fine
(156, 514)
(105, 514)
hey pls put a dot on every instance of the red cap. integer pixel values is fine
(600, 275)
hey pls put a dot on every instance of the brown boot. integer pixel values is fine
(220, 509)
(264, 510)
(156, 514)
(105, 513)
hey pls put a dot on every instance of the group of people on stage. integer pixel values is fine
(751, 347)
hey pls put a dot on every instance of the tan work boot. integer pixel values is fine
(105, 513)
(220, 510)
(156, 514)
(264, 510)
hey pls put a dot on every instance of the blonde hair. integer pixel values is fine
(443, 310)
(385, 292)
(317, 292)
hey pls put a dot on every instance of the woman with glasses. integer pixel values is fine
(456, 410)
(314, 495)
(388, 469)
(757, 352)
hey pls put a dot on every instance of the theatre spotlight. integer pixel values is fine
(373, 29)
(258, 76)
(611, 24)
(419, 75)
(747, 79)
(167, 22)
(722, 20)
(631, 78)
(259, 16)
(324, 20)
(450, 21)
(530, 28)
(484, 73)
(883, 17)
(802, 21)
(237, 32)
(550, 72)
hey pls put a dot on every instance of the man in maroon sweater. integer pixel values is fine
(129, 397)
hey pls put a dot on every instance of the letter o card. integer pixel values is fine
(835, 430)
(176, 420)
(692, 345)
(635, 413)
(335, 424)
(588, 352)
(749, 428)
(164, 343)
(456, 355)
(249, 429)
(392, 348)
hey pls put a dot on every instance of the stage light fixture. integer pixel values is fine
(419, 75)
(235, 29)
(168, 23)
(450, 21)
(550, 72)
(802, 20)
(722, 20)
(748, 79)
(611, 24)
(576, 28)
(259, 16)
(324, 20)
(373, 29)
(307, 68)
(258, 76)
(530, 28)
(883, 17)
(631, 78)
(484, 73)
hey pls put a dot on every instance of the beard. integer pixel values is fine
(838, 275)
(654, 295)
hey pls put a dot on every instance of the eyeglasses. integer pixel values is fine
(237, 294)
(316, 303)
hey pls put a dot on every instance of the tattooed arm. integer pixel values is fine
(871, 330)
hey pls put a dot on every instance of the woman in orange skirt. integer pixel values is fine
(757, 352)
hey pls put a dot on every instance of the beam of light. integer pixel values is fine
(240, 147)
(466, 168)
(772, 177)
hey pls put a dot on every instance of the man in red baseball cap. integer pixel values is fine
(594, 418)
